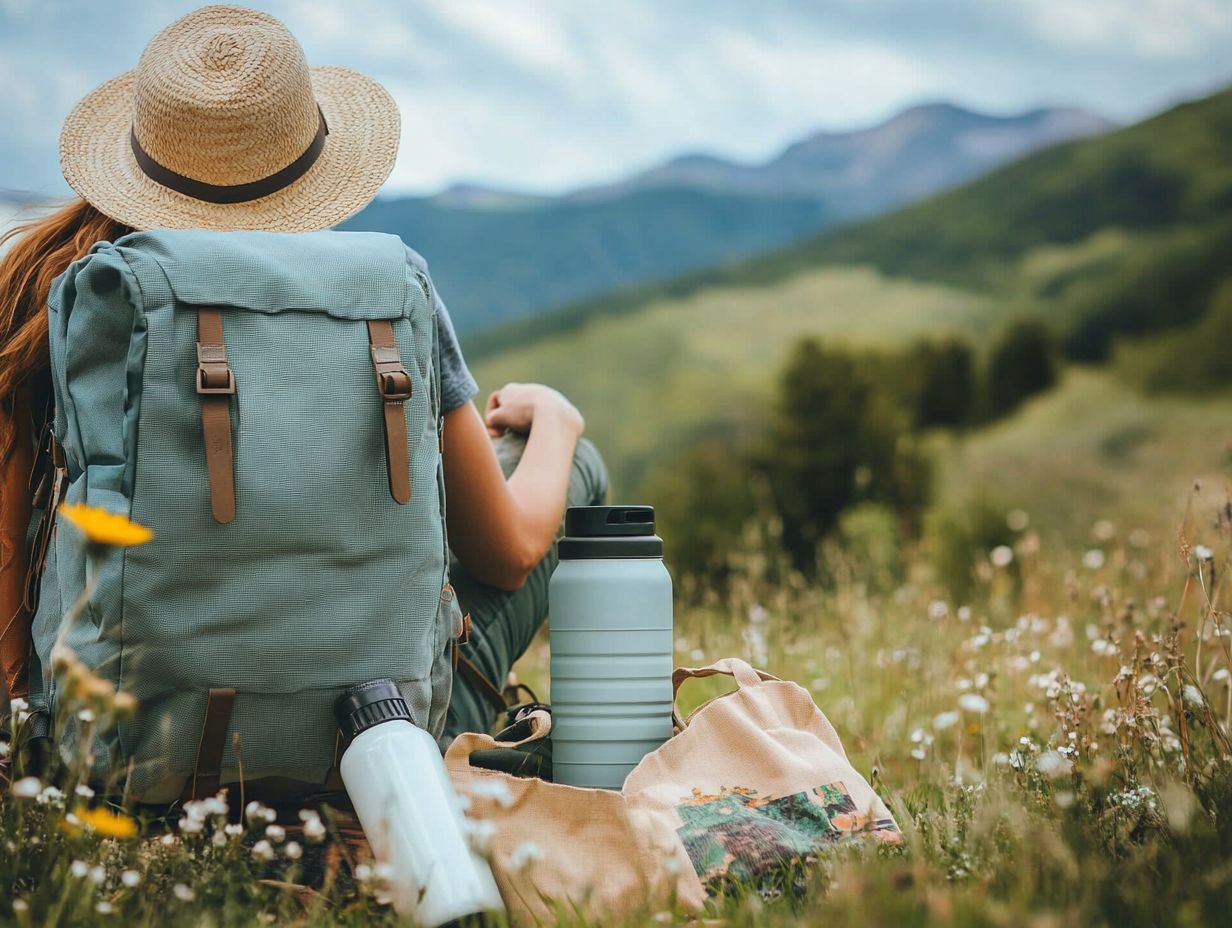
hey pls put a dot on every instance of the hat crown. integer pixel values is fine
(224, 96)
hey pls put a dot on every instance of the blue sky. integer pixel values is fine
(544, 95)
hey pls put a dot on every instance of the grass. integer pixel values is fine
(703, 364)
(1055, 747)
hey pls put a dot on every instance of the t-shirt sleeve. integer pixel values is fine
(458, 387)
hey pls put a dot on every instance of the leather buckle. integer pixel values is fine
(211, 365)
(205, 381)
(392, 379)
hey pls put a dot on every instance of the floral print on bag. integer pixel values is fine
(737, 838)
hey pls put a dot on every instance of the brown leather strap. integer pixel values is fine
(207, 772)
(333, 779)
(393, 382)
(216, 386)
(481, 681)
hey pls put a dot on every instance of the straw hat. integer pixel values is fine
(222, 125)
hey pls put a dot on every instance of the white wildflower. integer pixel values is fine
(1220, 674)
(97, 874)
(190, 826)
(944, 720)
(84, 791)
(17, 704)
(263, 850)
(1017, 520)
(293, 851)
(973, 702)
(1193, 695)
(314, 831)
(183, 892)
(4, 749)
(27, 788)
(130, 878)
(938, 610)
(257, 813)
(1103, 530)
(697, 655)
(493, 789)
(20, 905)
(50, 795)
(363, 873)
(1203, 553)
(218, 839)
(1093, 559)
(86, 716)
(233, 831)
(276, 833)
(524, 853)
(79, 869)
(1053, 764)
(168, 840)
(103, 907)
(1001, 556)
(964, 613)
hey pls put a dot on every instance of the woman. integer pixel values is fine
(509, 473)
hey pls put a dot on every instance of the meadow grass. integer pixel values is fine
(1053, 745)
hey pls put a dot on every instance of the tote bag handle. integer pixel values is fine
(744, 674)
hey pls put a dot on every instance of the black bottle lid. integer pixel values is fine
(610, 532)
(369, 704)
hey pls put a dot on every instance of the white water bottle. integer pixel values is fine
(409, 811)
(610, 618)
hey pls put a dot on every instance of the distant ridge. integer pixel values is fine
(499, 256)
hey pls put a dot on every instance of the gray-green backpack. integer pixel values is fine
(269, 405)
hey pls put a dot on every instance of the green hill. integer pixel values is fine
(1105, 238)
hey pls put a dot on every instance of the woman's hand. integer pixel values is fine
(517, 406)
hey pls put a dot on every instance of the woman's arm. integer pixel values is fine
(500, 529)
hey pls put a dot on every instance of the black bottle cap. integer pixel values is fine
(610, 532)
(369, 704)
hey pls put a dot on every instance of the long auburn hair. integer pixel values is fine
(40, 250)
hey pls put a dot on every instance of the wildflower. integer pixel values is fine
(50, 795)
(263, 850)
(4, 749)
(79, 869)
(1193, 695)
(938, 610)
(1053, 764)
(697, 655)
(255, 812)
(83, 791)
(1103, 530)
(1220, 674)
(85, 716)
(130, 878)
(964, 613)
(293, 850)
(183, 893)
(219, 839)
(27, 788)
(973, 702)
(276, 833)
(1093, 559)
(1203, 553)
(1001, 556)
(104, 528)
(945, 720)
(168, 840)
(97, 874)
(20, 905)
(1064, 799)
(524, 853)
(191, 826)
(314, 831)
(1017, 520)
(107, 823)
(363, 873)
(494, 789)
(103, 907)
(233, 831)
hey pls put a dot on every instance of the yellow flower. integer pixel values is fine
(107, 823)
(105, 528)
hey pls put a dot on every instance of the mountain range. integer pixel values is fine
(498, 256)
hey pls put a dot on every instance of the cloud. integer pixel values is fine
(550, 94)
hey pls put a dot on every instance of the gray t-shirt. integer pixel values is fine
(457, 384)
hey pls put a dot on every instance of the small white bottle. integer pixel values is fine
(409, 811)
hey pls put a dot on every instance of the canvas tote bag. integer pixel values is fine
(753, 779)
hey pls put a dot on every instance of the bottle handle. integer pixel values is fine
(744, 674)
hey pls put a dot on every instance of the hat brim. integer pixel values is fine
(97, 160)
